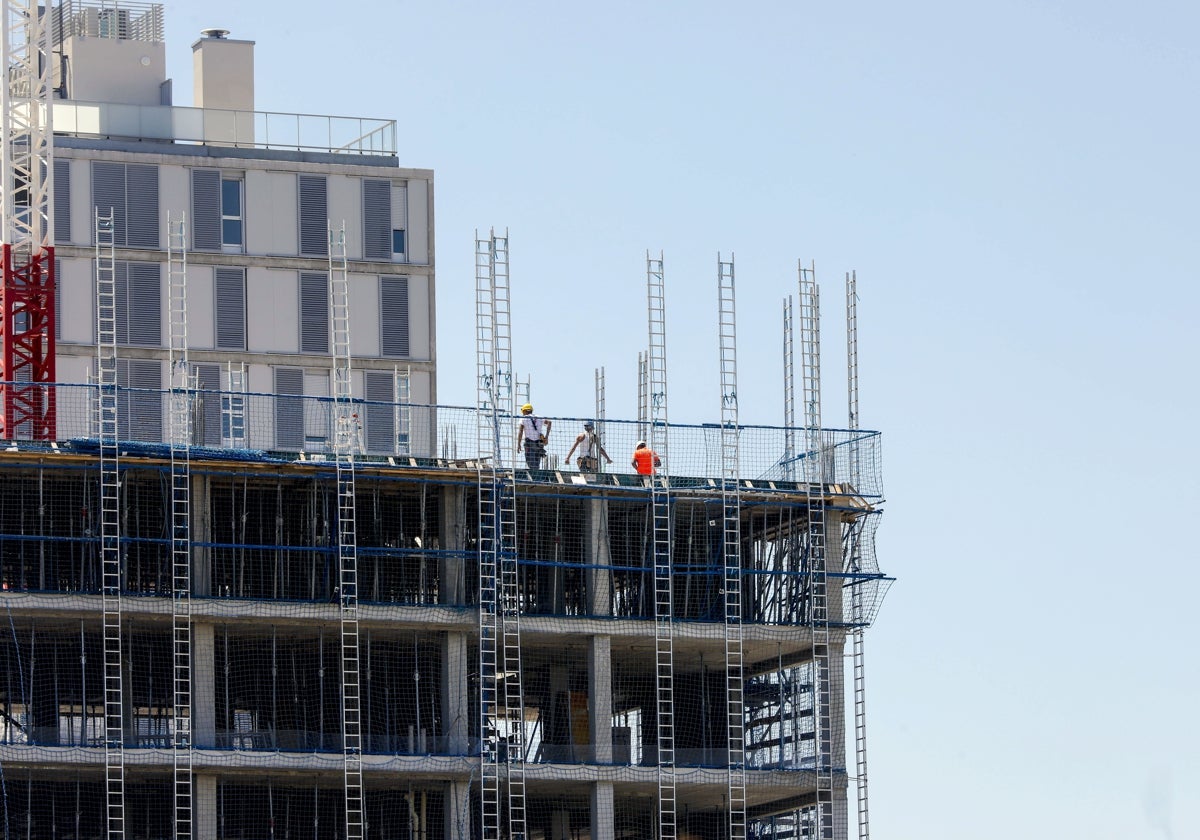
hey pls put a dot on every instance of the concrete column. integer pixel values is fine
(600, 707)
(204, 687)
(201, 532)
(835, 565)
(204, 806)
(452, 570)
(455, 708)
(603, 816)
(458, 811)
(599, 581)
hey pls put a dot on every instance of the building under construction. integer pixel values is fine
(258, 584)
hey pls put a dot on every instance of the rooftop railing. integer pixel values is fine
(216, 127)
(258, 426)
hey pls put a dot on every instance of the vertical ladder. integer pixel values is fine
(110, 523)
(660, 516)
(402, 419)
(731, 502)
(509, 574)
(233, 406)
(854, 562)
(814, 478)
(488, 452)
(789, 395)
(601, 411)
(181, 549)
(643, 400)
(345, 446)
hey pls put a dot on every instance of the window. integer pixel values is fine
(384, 220)
(289, 409)
(62, 201)
(231, 215)
(139, 304)
(130, 191)
(206, 410)
(229, 286)
(393, 317)
(314, 216)
(314, 312)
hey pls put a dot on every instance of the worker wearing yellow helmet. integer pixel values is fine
(533, 433)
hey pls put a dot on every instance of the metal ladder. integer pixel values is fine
(233, 406)
(345, 446)
(110, 522)
(814, 478)
(181, 549)
(731, 501)
(789, 394)
(402, 417)
(660, 514)
(643, 400)
(601, 412)
(854, 563)
(488, 453)
(509, 595)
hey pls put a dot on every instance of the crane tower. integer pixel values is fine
(26, 169)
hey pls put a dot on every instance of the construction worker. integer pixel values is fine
(645, 460)
(589, 447)
(533, 434)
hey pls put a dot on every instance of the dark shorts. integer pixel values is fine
(534, 451)
(589, 464)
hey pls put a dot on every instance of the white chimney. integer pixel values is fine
(224, 72)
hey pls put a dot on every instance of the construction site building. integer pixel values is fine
(251, 590)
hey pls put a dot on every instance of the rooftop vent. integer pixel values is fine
(213, 33)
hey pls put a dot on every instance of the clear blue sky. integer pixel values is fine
(1016, 185)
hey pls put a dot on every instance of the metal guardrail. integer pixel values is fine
(257, 426)
(217, 127)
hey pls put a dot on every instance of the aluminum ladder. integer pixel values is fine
(732, 541)
(809, 324)
(345, 446)
(233, 406)
(110, 523)
(660, 519)
(181, 550)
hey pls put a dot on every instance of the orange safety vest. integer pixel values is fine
(644, 461)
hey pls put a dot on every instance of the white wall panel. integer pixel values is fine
(364, 316)
(174, 197)
(418, 318)
(418, 222)
(271, 226)
(272, 311)
(75, 302)
(200, 305)
(345, 205)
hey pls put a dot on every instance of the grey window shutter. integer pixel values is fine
(377, 219)
(62, 201)
(108, 193)
(206, 415)
(141, 400)
(144, 304)
(289, 408)
(380, 417)
(393, 316)
(141, 199)
(230, 286)
(314, 216)
(314, 312)
(206, 209)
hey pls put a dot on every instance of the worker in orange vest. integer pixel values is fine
(645, 461)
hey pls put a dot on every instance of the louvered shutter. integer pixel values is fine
(314, 216)
(144, 304)
(206, 209)
(62, 201)
(380, 419)
(377, 219)
(108, 193)
(314, 312)
(230, 289)
(289, 409)
(206, 414)
(141, 199)
(141, 399)
(393, 316)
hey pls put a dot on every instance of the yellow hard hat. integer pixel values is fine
(527, 409)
